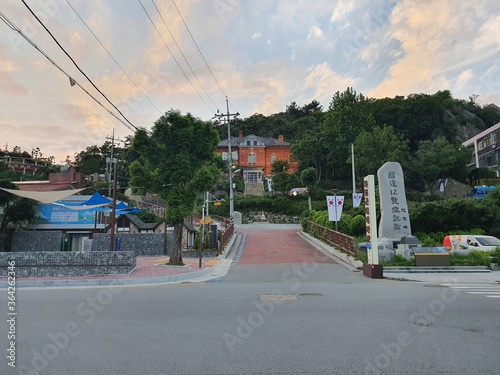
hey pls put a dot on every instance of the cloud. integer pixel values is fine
(325, 82)
(256, 35)
(314, 32)
(8, 85)
(433, 36)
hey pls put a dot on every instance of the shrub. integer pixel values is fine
(358, 226)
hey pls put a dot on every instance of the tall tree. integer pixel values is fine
(439, 159)
(378, 146)
(346, 118)
(13, 210)
(176, 161)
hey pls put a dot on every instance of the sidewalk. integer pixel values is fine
(492, 277)
(154, 271)
(148, 271)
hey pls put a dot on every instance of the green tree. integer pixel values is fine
(311, 151)
(347, 116)
(176, 161)
(439, 159)
(279, 166)
(13, 210)
(378, 146)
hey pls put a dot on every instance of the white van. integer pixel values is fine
(470, 242)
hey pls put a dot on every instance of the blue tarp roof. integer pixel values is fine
(97, 198)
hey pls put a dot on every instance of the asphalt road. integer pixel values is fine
(303, 315)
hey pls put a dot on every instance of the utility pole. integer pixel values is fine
(111, 161)
(230, 155)
(112, 165)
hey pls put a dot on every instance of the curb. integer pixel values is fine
(220, 269)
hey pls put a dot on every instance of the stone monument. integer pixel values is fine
(394, 217)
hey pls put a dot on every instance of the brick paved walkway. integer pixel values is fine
(145, 267)
(268, 246)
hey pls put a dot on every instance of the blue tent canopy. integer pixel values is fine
(96, 199)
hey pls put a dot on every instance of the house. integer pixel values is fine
(486, 148)
(67, 178)
(254, 155)
(486, 154)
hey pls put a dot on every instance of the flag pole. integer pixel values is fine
(353, 173)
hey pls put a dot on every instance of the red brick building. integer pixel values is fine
(254, 155)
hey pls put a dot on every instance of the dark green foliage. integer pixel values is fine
(475, 258)
(358, 226)
(149, 217)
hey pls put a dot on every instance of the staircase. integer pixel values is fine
(254, 188)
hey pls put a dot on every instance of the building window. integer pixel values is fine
(494, 138)
(224, 156)
(252, 158)
(248, 143)
(235, 155)
(273, 157)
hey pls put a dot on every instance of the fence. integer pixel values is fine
(339, 240)
(226, 235)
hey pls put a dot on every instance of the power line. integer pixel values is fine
(198, 48)
(182, 70)
(76, 65)
(72, 81)
(180, 50)
(110, 55)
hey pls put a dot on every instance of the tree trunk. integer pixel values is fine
(176, 254)
(309, 201)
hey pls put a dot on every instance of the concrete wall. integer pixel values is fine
(67, 263)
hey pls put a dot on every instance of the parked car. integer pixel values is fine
(470, 242)
(481, 191)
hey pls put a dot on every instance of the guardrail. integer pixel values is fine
(226, 235)
(337, 239)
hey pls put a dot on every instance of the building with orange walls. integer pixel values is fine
(254, 155)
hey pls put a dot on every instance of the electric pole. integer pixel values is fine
(230, 154)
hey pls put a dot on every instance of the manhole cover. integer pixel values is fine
(277, 297)
(311, 294)
(436, 286)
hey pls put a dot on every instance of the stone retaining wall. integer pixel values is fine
(37, 241)
(140, 243)
(66, 263)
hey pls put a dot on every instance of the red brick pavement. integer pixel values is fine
(278, 246)
(145, 267)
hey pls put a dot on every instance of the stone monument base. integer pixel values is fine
(373, 271)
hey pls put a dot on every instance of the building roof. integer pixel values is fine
(140, 224)
(491, 129)
(263, 141)
(43, 185)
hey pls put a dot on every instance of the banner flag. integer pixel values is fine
(335, 205)
(356, 199)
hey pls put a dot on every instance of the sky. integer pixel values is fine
(150, 56)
